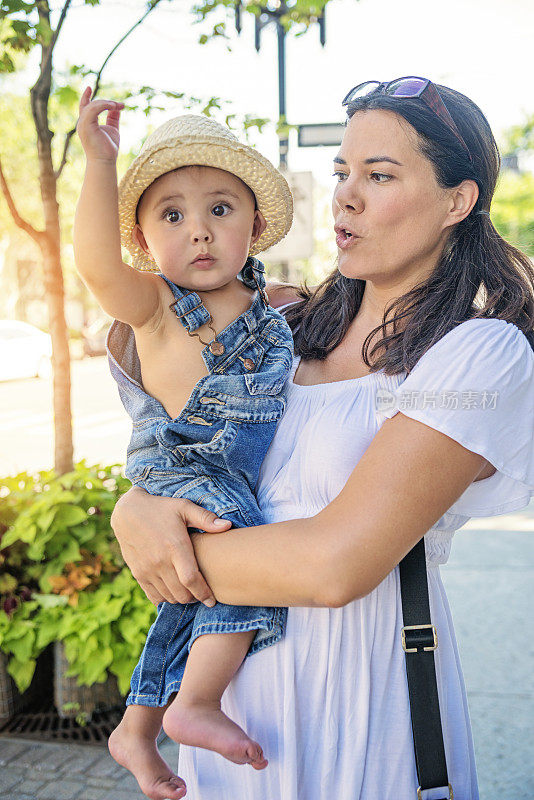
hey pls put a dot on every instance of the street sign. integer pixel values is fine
(327, 134)
(299, 241)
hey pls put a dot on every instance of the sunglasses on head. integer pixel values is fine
(410, 87)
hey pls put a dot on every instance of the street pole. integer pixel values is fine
(273, 11)
(283, 140)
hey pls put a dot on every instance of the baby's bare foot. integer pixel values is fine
(205, 725)
(141, 757)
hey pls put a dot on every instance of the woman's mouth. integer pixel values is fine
(344, 237)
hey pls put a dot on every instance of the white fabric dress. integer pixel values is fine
(329, 703)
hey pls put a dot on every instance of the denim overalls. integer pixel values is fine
(210, 454)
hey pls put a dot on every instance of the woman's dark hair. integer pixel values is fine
(478, 275)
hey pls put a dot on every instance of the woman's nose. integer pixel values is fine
(346, 198)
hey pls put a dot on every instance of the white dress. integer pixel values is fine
(329, 703)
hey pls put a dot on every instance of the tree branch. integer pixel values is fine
(55, 35)
(153, 4)
(68, 137)
(36, 235)
(71, 133)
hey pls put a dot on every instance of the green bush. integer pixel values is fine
(63, 576)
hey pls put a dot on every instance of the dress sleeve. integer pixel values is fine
(476, 385)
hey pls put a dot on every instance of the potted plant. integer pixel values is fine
(18, 581)
(73, 586)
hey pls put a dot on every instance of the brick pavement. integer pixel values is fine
(55, 771)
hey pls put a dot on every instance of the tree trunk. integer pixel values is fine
(53, 273)
(55, 299)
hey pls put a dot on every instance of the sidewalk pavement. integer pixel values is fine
(489, 581)
(32, 770)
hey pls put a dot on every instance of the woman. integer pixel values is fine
(410, 410)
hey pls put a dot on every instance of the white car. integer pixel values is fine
(25, 351)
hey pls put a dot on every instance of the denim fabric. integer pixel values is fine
(211, 454)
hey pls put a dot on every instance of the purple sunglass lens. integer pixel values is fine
(407, 87)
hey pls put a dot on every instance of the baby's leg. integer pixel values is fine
(133, 745)
(195, 717)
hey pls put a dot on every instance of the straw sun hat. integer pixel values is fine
(194, 140)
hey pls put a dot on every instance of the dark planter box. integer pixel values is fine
(85, 698)
(12, 702)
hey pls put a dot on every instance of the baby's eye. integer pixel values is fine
(380, 177)
(220, 210)
(172, 215)
(340, 176)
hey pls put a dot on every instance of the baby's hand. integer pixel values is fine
(100, 142)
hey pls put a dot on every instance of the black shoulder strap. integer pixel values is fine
(419, 640)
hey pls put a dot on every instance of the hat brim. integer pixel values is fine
(270, 188)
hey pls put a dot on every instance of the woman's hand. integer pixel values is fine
(100, 142)
(155, 543)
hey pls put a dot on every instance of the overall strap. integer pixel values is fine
(188, 307)
(253, 276)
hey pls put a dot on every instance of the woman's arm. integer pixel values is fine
(406, 480)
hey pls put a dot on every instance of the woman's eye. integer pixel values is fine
(380, 177)
(220, 210)
(340, 176)
(173, 216)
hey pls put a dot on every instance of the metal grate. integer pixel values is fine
(44, 723)
(37, 717)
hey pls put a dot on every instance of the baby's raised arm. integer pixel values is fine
(122, 292)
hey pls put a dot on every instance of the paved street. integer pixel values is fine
(101, 425)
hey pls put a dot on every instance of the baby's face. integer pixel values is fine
(198, 223)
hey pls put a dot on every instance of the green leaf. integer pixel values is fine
(90, 626)
(22, 647)
(8, 583)
(27, 533)
(47, 632)
(6, 63)
(9, 537)
(17, 630)
(67, 96)
(129, 629)
(50, 600)
(46, 519)
(70, 515)
(112, 610)
(122, 671)
(93, 668)
(21, 672)
(65, 547)
(71, 650)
